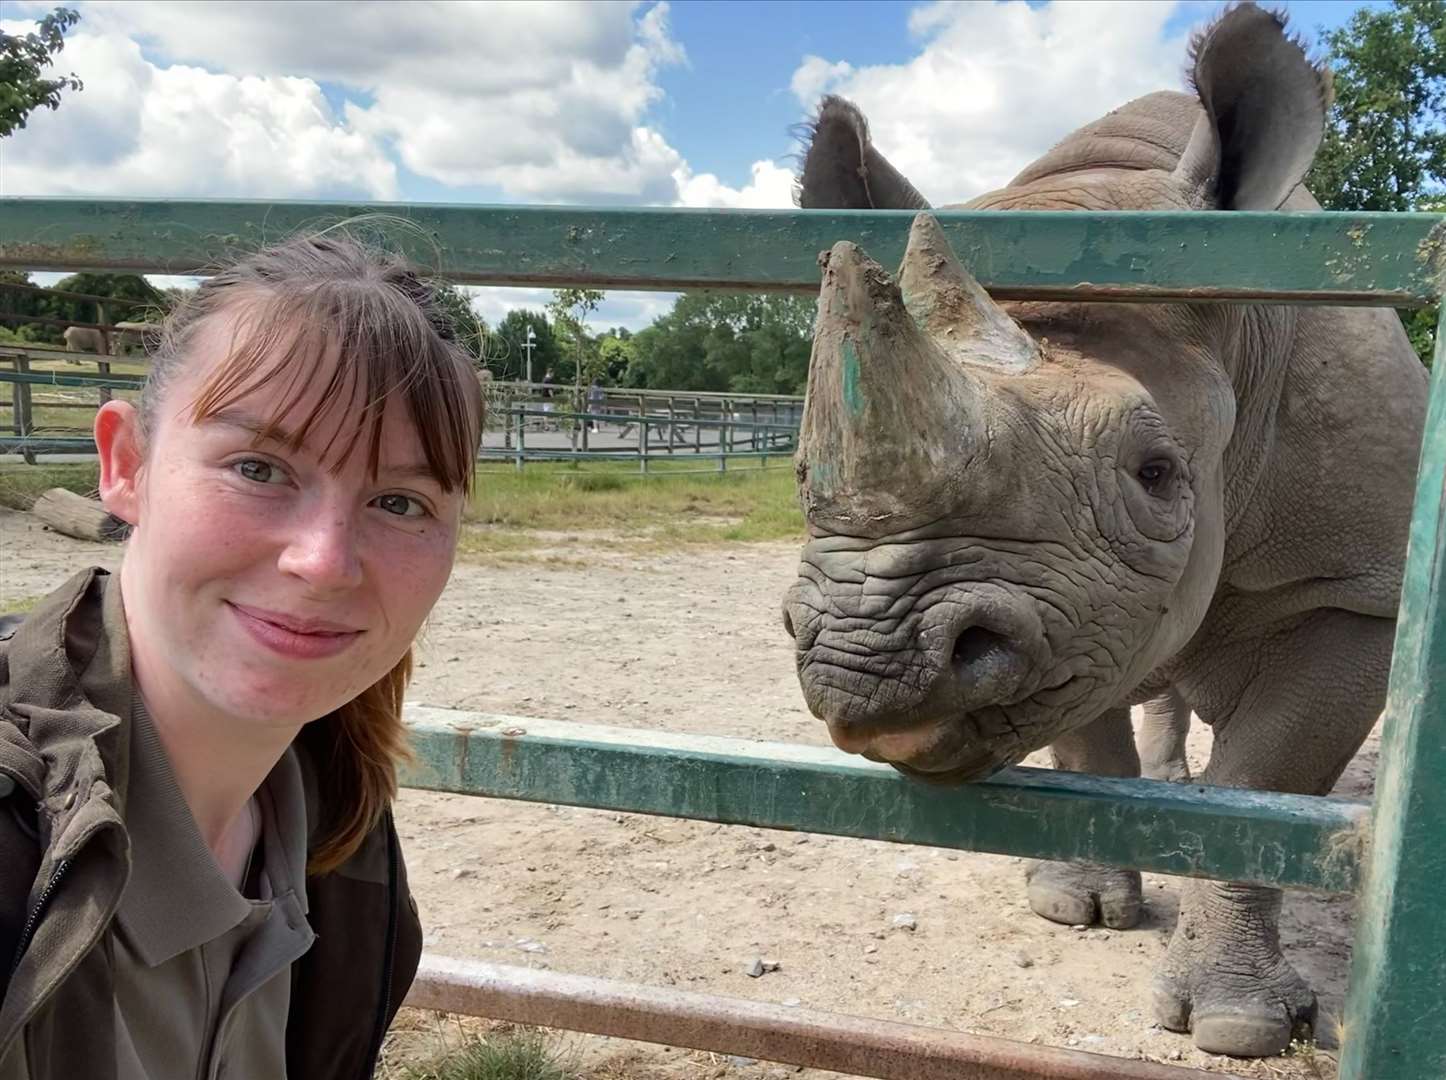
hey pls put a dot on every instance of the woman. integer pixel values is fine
(199, 875)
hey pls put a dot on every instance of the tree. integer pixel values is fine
(22, 59)
(569, 310)
(1385, 142)
(470, 328)
(743, 343)
(150, 304)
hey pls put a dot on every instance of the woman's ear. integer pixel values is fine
(118, 442)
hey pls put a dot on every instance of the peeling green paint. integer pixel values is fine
(1313, 258)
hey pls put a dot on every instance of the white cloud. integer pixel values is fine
(770, 188)
(546, 102)
(995, 85)
(137, 129)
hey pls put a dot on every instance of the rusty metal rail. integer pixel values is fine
(883, 1049)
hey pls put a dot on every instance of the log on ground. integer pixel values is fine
(75, 515)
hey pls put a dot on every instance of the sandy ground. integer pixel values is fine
(693, 641)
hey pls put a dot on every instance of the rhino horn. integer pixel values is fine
(890, 419)
(953, 308)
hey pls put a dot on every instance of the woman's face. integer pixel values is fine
(265, 583)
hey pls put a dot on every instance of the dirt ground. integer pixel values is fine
(692, 641)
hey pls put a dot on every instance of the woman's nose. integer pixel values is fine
(323, 550)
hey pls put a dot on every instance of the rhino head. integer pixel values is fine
(1016, 514)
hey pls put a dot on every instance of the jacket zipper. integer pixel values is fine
(33, 921)
(379, 1029)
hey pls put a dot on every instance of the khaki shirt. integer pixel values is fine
(202, 973)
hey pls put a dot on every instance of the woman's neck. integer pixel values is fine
(219, 761)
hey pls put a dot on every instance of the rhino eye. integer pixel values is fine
(1155, 475)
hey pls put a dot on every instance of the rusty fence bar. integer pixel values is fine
(887, 1050)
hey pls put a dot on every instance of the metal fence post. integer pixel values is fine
(642, 438)
(1395, 1028)
(519, 412)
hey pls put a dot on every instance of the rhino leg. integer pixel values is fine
(1080, 893)
(1165, 723)
(1309, 697)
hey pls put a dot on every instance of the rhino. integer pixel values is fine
(1023, 518)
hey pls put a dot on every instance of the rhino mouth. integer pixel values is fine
(963, 746)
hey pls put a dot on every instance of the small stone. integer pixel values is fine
(1024, 961)
(770, 846)
(905, 921)
(871, 948)
(754, 968)
(790, 1003)
(1176, 1055)
(1068, 1003)
(461, 872)
(771, 965)
(632, 912)
(740, 1062)
(1079, 928)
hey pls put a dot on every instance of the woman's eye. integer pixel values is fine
(1155, 475)
(260, 472)
(401, 505)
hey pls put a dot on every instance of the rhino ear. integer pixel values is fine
(843, 171)
(1265, 108)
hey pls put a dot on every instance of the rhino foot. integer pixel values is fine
(1224, 979)
(1081, 894)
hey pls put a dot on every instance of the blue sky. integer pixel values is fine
(687, 102)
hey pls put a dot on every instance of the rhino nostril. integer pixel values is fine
(987, 665)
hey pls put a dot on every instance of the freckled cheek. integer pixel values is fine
(412, 576)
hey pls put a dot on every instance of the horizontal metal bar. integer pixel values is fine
(43, 444)
(1290, 841)
(848, 1044)
(118, 381)
(1128, 256)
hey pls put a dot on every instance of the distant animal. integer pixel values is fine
(1024, 518)
(132, 334)
(83, 339)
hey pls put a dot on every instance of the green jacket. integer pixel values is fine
(65, 701)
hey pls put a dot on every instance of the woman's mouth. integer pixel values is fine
(294, 637)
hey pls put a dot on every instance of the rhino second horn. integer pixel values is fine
(889, 418)
(952, 307)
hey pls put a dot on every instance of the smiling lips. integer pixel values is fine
(296, 639)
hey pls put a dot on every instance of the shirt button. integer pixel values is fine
(69, 799)
(7, 785)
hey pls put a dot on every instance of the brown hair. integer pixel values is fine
(333, 301)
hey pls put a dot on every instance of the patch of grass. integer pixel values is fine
(520, 1054)
(21, 484)
(22, 605)
(707, 507)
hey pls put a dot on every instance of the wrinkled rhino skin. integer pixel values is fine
(1025, 518)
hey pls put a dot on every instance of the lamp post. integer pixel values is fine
(529, 345)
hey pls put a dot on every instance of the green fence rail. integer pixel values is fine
(1394, 1027)
(1298, 258)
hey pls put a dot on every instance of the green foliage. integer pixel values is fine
(519, 1055)
(470, 327)
(1385, 143)
(22, 59)
(569, 310)
(152, 303)
(511, 333)
(21, 485)
(743, 343)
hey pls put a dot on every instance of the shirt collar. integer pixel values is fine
(176, 897)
